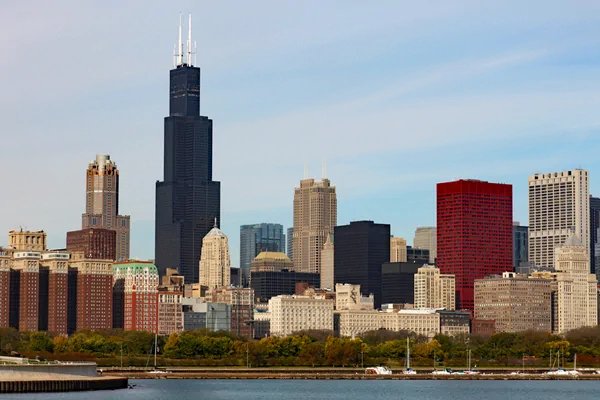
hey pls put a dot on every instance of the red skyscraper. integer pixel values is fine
(474, 233)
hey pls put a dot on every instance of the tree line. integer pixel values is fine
(309, 348)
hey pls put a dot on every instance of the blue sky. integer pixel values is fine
(395, 95)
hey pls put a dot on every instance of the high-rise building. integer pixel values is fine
(360, 250)
(417, 256)
(5, 264)
(516, 303)
(327, 264)
(57, 264)
(398, 282)
(187, 200)
(102, 203)
(215, 265)
(271, 261)
(26, 266)
(520, 245)
(474, 233)
(170, 306)
(255, 239)
(267, 284)
(290, 314)
(574, 297)
(99, 244)
(426, 238)
(433, 289)
(140, 297)
(241, 303)
(290, 243)
(559, 203)
(595, 236)
(94, 293)
(397, 249)
(315, 216)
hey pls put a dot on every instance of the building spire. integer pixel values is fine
(189, 41)
(179, 46)
(215, 225)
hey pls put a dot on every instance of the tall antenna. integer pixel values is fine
(189, 41)
(179, 45)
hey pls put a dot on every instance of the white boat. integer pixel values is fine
(158, 371)
(408, 370)
(558, 371)
(378, 371)
(446, 371)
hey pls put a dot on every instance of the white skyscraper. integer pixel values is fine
(215, 265)
(558, 206)
(426, 238)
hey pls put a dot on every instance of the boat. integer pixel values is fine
(445, 371)
(408, 370)
(469, 371)
(381, 370)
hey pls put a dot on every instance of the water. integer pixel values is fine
(334, 390)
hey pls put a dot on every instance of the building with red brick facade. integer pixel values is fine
(26, 270)
(5, 264)
(94, 293)
(94, 243)
(474, 233)
(138, 281)
(58, 286)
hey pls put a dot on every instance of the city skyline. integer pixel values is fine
(493, 103)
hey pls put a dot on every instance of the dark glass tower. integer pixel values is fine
(255, 239)
(187, 200)
(594, 236)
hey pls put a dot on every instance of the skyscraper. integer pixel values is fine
(187, 200)
(426, 238)
(139, 282)
(397, 249)
(474, 233)
(290, 243)
(215, 264)
(434, 290)
(361, 248)
(520, 246)
(327, 264)
(559, 204)
(102, 203)
(595, 236)
(255, 239)
(315, 216)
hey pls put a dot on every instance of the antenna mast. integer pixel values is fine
(180, 46)
(189, 41)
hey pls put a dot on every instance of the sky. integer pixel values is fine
(395, 96)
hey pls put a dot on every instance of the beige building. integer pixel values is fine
(170, 311)
(215, 265)
(102, 203)
(356, 322)
(27, 241)
(574, 288)
(290, 314)
(397, 249)
(426, 238)
(270, 261)
(433, 289)
(327, 260)
(516, 303)
(558, 203)
(315, 216)
(348, 297)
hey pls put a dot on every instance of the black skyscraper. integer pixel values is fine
(360, 250)
(594, 237)
(187, 200)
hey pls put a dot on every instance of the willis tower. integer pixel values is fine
(188, 201)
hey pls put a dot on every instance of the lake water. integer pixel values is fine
(335, 390)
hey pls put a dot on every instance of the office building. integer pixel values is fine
(255, 239)
(27, 241)
(559, 203)
(170, 311)
(514, 302)
(214, 317)
(397, 249)
(215, 265)
(290, 243)
(348, 297)
(426, 238)
(454, 323)
(434, 289)
(267, 284)
(360, 250)
(474, 233)
(268, 261)
(5, 264)
(55, 317)
(235, 278)
(140, 299)
(99, 244)
(520, 245)
(398, 282)
(574, 289)
(327, 263)
(424, 322)
(25, 291)
(187, 199)
(315, 216)
(102, 204)
(290, 314)
(94, 293)
(241, 306)
(595, 236)
(417, 256)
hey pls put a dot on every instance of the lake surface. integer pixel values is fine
(334, 390)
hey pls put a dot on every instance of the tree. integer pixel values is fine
(312, 354)
(40, 341)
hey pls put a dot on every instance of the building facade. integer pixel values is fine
(139, 281)
(327, 263)
(398, 282)
(99, 244)
(520, 245)
(26, 276)
(315, 216)
(241, 305)
(595, 236)
(290, 243)
(290, 314)
(474, 233)
(426, 238)
(57, 264)
(361, 249)
(268, 261)
(515, 303)
(397, 249)
(27, 241)
(434, 289)
(187, 199)
(258, 238)
(5, 266)
(348, 297)
(215, 264)
(559, 203)
(267, 284)
(94, 293)
(102, 204)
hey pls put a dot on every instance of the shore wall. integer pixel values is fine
(65, 385)
(79, 369)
